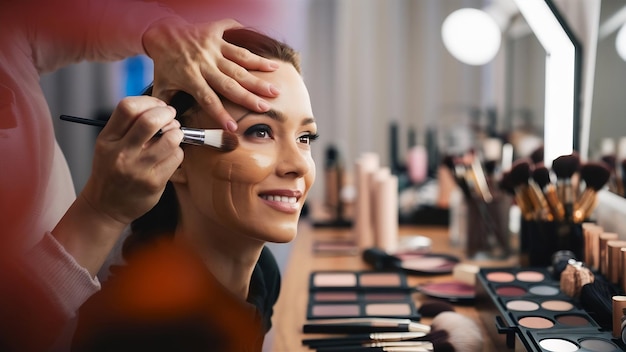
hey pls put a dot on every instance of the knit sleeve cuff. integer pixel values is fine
(68, 283)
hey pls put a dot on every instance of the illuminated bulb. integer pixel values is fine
(471, 36)
(620, 42)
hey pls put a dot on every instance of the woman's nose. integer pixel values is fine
(293, 160)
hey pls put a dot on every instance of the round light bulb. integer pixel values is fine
(471, 36)
(620, 42)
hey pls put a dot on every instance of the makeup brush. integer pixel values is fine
(216, 138)
(363, 325)
(613, 183)
(595, 175)
(541, 176)
(564, 168)
(506, 184)
(520, 176)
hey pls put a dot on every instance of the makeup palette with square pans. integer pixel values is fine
(528, 300)
(348, 294)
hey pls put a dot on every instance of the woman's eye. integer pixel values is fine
(308, 138)
(259, 131)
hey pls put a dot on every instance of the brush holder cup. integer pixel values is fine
(488, 234)
(539, 240)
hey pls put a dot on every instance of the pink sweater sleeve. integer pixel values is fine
(91, 30)
(69, 283)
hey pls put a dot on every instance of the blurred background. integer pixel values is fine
(373, 67)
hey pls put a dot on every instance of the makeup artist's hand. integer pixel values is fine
(197, 60)
(129, 173)
(131, 166)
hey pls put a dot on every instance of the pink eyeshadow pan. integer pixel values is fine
(500, 276)
(379, 279)
(530, 276)
(335, 280)
(330, 310)
(387, 309)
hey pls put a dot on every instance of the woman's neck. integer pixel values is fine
(230, 257)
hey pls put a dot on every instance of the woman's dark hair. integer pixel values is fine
(161, 221)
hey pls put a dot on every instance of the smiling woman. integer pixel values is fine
(220, 207)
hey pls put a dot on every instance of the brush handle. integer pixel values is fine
(354, 328)
(193, 136)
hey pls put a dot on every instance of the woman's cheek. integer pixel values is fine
(251, 169)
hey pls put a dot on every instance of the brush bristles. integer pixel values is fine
(221, 139)
(566, 165)
(520, 172)
(463, 333)
(595, 175)
(541, 175)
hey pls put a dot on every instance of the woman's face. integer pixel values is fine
(259, 188)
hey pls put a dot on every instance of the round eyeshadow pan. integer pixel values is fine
(530, 276)
(599, 345)
(543, 290)
(558, 345)
(558, 306)
(572, 320)
(510, 291)
(535, 323)
(500, 276)
(522, 306)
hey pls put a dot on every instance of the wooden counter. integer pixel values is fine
(290, 311)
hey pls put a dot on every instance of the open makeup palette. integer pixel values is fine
(360, 294)
(529, 306)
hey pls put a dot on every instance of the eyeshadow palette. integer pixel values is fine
(528, 303)
(348, 294)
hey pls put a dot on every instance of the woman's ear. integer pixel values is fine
(180, 175)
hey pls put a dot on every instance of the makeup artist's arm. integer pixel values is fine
(129, 173)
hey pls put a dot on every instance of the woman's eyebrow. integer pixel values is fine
(276, 115)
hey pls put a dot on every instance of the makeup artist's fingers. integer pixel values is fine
(130, 169)
(129, 109)
(208, 65)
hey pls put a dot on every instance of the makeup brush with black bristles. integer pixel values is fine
(564, 167)
(520, 176)
(595, 175)
(541, 176)
(613, 182)
(506, 184)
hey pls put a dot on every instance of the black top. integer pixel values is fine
(265, 287)
(166, 300)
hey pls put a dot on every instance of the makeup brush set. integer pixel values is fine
(476, 173)
(554, 203)
(448, 332)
